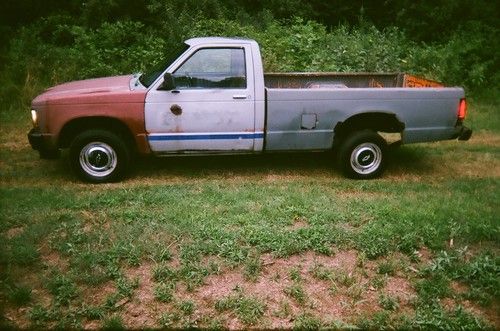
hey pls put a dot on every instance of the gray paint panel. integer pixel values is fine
(420, 109)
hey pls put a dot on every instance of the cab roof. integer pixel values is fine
(217, 40)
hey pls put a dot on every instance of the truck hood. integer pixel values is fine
(85, 87)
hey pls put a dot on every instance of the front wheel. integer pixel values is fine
(99, 156)
(362, 155)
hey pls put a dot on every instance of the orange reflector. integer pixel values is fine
(462, 109)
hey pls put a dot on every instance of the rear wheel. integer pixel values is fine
(99, 156)
(362, 155)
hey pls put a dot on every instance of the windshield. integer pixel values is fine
(152, 74)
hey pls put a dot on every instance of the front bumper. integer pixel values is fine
(41, 143)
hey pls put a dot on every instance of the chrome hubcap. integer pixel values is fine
(366, 158)
(98, 159)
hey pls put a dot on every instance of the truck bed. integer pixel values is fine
(345, 80)
(301, 118)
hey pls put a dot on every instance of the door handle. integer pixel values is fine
(239, 96)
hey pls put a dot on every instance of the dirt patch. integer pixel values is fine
(459, 288)
(14, 232)
(270, 287)
(400, 288)
(298, 223)
(489, 314)
(142, 311)
(425, 255)
(19, 316)
(53, 259)
(96, 295)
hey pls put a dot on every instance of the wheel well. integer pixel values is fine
(77, 126)
(376, 121)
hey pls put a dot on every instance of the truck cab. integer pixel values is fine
(211, 99)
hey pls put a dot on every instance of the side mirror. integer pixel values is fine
(168, 82)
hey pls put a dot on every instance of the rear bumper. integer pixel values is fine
(42, 144)
(462, 133)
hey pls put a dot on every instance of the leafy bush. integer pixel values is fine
(59, 48)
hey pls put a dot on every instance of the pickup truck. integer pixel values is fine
(211, 96)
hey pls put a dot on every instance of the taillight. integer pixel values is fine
(462, 109)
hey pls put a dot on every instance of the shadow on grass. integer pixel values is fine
(415, 160)
(285, 163)
(406, 160)
(400, 160)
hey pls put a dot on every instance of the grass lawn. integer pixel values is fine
(274, 241)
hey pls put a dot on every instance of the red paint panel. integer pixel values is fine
(107, 97)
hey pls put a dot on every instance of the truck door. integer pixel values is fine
(211, 107)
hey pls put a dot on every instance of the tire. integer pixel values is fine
(362, 155)
(99, 156)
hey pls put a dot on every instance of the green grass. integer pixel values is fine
(20, 295)
(188, 220)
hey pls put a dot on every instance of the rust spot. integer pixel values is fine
(176, 109)
(414, 81)
(374, 83)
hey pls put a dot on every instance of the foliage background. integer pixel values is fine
(47, 42)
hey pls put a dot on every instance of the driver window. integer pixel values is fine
(213, 68)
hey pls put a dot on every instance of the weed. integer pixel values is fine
(296, 292)
(361, 260)
(307, 321)
(113, 323)
(112, 301)
(387, 302)
(355, 291)
(284, 310)
(93, 312)
(63, 288)
(193, 274)
(248, 309)
(214, 268)
(321, 272)
(482, 274)
(186, 307)
(374, 241)
(93, 268)
(436, 286)
(333, 289)
(169, 319)
(295, 274)
(20, 295)
(164, 292)
(25, 252)
(71, 320)
(378, 321)
(162, 272)
(125, 287)
(161, 254)
(253, 267)
(435, 317)
(387, 268)
(342, 277)
(40, 315)
(215, 324)
(378, 281)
